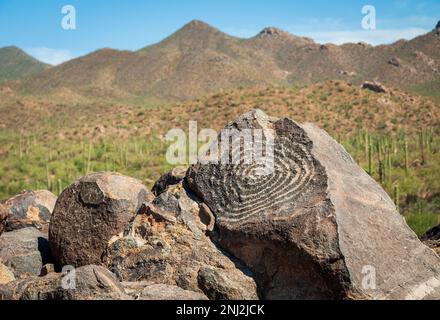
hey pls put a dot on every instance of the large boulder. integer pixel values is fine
(168, 244)
(89, 213)
(317, 226)
(85, 283)
(30, 209)
(24, 251)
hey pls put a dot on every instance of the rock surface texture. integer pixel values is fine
(30, 209)
(315, 227)
(167, 244)
(24, 251)
(89, 283)
(89, 213)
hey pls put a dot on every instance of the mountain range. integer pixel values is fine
(199, 59)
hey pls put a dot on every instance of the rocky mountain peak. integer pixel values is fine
(273, 32)
(197, 25)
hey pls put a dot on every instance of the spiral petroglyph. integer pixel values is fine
(267, 187)
(244, 190)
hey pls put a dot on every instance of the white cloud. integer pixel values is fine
(49, 55)
(374, 37)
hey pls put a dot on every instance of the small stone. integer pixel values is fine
(168, 179)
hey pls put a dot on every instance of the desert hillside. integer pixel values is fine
(48, 144)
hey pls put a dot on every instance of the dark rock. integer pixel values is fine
(168, 179)
(395, 62)
(432, 238)
(89, 213)
(374, 86)
(438, 25)
(30, 209)
(142, 290)
(86, 283)
(315, 227)
(170, 246)
(24, 251)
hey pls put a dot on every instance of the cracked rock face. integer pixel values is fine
(89, 213)
(315, 227)
(167, 244)
(30, 209)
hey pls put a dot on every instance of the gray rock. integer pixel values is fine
(24, 251)
(317, 226)
(89, 213)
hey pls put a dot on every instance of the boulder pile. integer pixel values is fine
(314, 226)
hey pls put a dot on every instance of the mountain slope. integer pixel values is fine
(16, 64)
(199, 59)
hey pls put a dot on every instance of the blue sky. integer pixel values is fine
(35, 25)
